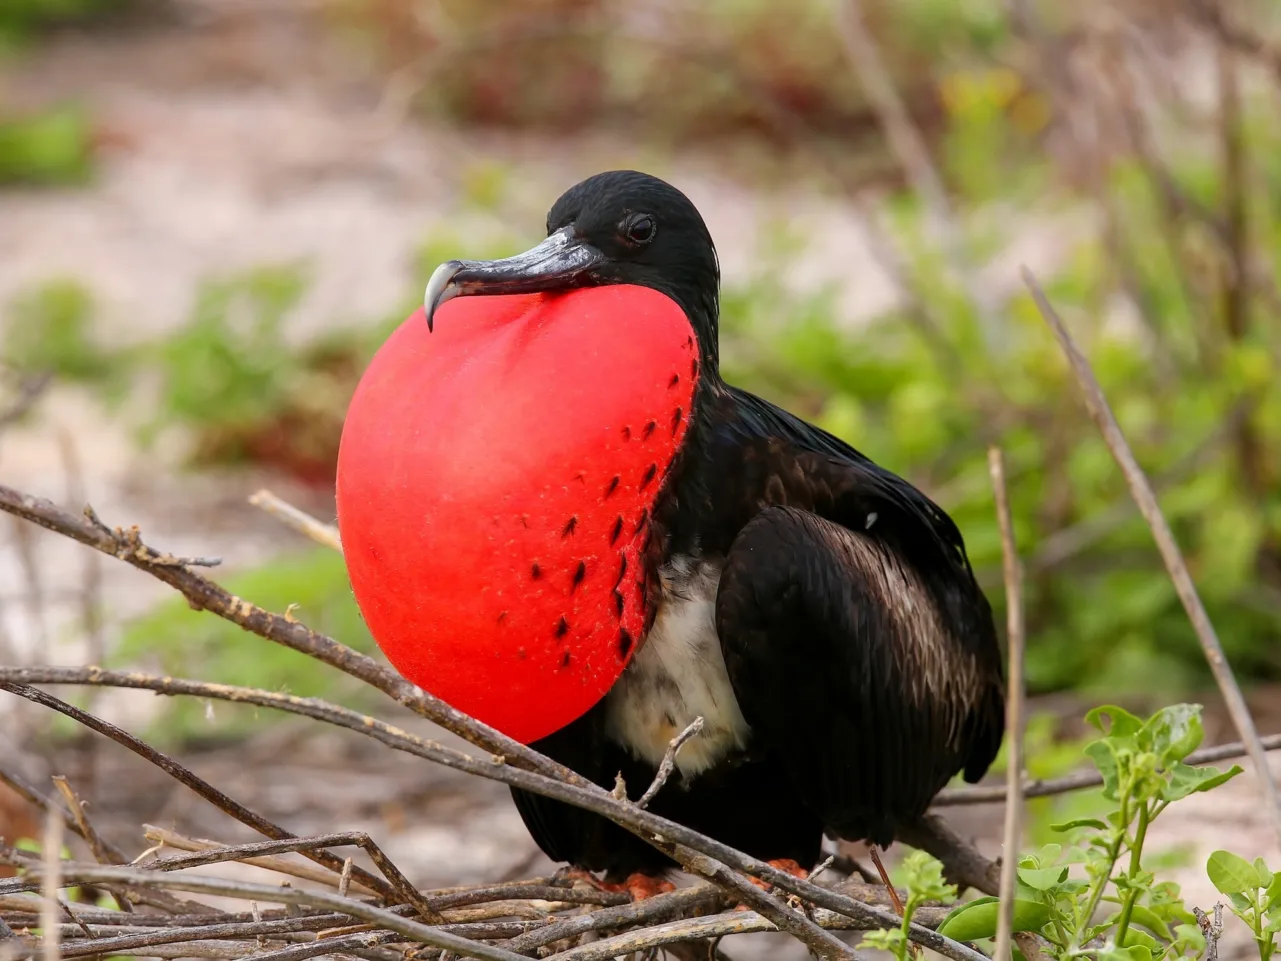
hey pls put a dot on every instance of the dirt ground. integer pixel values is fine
(239, 134)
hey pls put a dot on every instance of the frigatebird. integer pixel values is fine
(816, 610)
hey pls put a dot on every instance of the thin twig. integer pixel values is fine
(668, 764)
(1033, 788)
(1141, 491)
(1013, 707)
(50, 906)
(101, 853)
(296, 519)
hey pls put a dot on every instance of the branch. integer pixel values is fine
(1141, 491)
(668, 763)
(1211, 15)
(510, 762)
(1033, 788)
(414, 930)
(292, 517)
(1013, 708)
(181, 774)
(99, 848)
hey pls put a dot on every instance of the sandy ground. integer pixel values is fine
(240, 136)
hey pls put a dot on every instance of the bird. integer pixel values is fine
(815, 610)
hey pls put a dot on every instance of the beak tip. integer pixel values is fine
(439, 290)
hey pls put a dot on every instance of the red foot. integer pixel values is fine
(786, 865)
(639, 886)
(642, 886)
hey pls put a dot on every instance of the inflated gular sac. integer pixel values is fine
(494, 487)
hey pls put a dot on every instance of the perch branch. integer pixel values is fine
(1141, 491)
(512, 762)
(945, 845)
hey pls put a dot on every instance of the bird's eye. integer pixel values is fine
(641, 230)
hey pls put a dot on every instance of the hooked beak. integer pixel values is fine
(558, 263)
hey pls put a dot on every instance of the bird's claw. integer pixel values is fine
(638, 885)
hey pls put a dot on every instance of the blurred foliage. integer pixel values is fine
(20, 18)
(50, 147)
(243, 390)
(678, 71)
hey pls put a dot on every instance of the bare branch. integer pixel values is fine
(301, 521)
(511, 763)
(175, 770)
(1141, 491)
(100, 851)
(993, 794)
(413, 930)
(1013, 707)
(668, 764)
(50, 906)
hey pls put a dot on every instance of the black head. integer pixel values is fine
(618, 227)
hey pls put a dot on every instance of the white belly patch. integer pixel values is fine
(677, 675)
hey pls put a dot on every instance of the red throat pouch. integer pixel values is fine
(495, 483)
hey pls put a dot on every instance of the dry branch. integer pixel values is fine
(1013, 707)
(1033, 788)
(292, 517)
(1143, 496)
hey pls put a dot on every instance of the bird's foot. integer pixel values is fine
(786, 865)
(640, 886)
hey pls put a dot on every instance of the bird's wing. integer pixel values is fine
(856, 487)
(849, 668)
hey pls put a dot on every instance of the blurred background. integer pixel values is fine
(213, 211)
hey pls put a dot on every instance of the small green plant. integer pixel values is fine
(923, 878)
(1254, 896)
(1143, 767)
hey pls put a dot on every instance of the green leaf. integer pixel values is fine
(1274, 889)
(1265, 876)
(1232, 874)
(1240, 904)
(1123, 723)
(1174, 732)
(1064, 826)
(1042, 879)
(1150, 920)
(977, 919)
(1185, 779)
(1103, 754)
(1135, 936)
(1133, 952)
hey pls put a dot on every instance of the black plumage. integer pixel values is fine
(825, 597)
